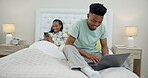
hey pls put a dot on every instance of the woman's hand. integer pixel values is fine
(50, 39)
(94, 57)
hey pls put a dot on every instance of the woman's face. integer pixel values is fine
(56, 26)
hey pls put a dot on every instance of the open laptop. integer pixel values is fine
(115, 60)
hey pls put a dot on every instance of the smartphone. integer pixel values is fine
(46, 34)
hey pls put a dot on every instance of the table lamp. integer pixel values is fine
(131, 31)
(8, 28)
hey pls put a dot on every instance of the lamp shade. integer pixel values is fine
(8, 28)
(131, 30)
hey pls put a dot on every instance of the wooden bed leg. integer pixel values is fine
(137, 66)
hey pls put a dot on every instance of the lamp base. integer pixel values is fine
(9, 37)
(131, 42)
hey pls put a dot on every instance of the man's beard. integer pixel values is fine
(92, 29)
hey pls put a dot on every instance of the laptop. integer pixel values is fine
(115, 60)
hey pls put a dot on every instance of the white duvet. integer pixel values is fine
(34, 63)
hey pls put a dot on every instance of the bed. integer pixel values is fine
(45, 60)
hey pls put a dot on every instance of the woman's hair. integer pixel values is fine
(60, 22)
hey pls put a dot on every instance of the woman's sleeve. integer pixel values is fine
(65, 36)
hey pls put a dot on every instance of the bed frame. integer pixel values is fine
(45, 16)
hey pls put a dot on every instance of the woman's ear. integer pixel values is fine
(60, 26)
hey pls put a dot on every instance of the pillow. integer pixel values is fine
(98, 46)
(48, 48)
(66, 32)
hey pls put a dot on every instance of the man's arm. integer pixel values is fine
(93, 57)
(104, 46)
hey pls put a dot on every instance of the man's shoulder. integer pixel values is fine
(81, 23)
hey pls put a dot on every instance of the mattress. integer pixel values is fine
(33, 63)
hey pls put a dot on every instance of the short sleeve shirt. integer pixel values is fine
(86, 39)
(59, 38)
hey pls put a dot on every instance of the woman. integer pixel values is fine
(55, 35)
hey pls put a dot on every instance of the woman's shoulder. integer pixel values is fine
(64, 33)
(61, 32)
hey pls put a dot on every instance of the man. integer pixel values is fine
(80, 47)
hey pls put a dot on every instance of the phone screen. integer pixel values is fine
(46, 34)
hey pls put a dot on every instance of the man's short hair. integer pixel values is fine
(98, 9)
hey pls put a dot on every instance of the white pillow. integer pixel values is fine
(48, 48)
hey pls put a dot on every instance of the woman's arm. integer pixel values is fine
(48, 39)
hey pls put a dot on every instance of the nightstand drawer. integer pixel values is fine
(9, 49)
(134, 54)
(5, 50)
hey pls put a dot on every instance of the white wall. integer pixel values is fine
(125, 13)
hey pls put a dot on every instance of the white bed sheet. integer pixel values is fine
(34, 63)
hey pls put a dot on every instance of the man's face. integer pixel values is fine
(94, 21)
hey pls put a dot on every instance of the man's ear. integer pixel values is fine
(88, 15)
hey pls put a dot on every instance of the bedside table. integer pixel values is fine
(6, 49)
(136, 54)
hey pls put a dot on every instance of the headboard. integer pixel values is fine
(45, 17)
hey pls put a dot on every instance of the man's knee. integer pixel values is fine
(68, 47)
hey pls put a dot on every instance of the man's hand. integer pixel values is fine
(94, 57)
